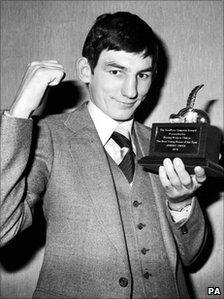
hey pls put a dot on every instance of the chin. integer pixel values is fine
(121, 115)
(123, 118)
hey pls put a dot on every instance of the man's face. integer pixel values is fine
(120, 83)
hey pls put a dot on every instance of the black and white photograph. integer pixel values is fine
(112, 151)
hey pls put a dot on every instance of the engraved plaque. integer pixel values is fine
(177, 139)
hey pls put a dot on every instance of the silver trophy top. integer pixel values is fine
(189, 114)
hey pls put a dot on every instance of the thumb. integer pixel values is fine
(200, 175)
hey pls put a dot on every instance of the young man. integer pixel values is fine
(113, 230)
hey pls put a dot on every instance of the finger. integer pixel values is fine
(46, 66)
(164, 179)
(57, 79)
(184, 176)
(36, 65)
(200, 174)
(171, 174)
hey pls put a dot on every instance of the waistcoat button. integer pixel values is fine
(123, 282)
(146, 275)
(136, 203)
(184, 229)
(140, 226)
(144, 250)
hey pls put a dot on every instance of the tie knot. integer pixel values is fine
(121, 140)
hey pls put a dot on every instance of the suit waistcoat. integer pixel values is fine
(149, 266)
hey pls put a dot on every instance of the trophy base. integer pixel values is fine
(152, 163)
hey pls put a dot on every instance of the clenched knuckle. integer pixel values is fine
(187, 182)
(60, 73)
(167, 186)
(176, 182)
(40, 71)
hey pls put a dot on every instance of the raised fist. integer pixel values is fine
(38, 77)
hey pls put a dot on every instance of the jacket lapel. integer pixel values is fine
(88, 153)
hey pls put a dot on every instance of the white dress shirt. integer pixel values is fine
(105, 127)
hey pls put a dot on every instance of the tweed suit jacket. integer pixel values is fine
(64, 163)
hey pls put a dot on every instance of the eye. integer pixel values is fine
(143, 75)
(115, 72)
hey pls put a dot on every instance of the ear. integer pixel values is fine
(84, 70)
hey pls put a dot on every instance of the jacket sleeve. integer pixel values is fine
(26, 157)
(190, 234)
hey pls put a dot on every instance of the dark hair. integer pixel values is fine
(120, 31)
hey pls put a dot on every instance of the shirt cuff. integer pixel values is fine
(181, 215)
(184, 214)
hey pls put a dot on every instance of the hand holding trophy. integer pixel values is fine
(188, 136)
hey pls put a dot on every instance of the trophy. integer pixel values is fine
(188, 136)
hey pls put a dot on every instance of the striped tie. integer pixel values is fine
(127, 165)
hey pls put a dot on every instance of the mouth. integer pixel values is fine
(125, 103)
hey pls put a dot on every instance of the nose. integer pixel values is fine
(129, 88)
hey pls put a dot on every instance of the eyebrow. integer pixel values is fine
(116, 65)
(148, 69)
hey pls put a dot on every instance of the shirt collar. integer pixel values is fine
(109, 125)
